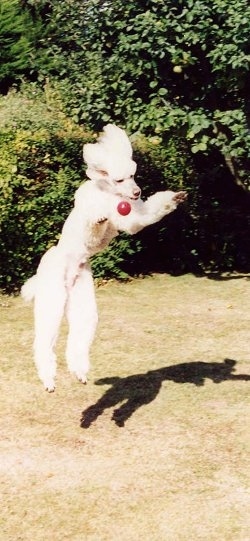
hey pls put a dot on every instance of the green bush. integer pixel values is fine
(41, 166)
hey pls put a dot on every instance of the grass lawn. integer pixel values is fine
(156, 446)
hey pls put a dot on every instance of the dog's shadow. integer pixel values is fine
(137, 390)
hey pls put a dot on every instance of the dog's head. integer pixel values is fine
(109, 163)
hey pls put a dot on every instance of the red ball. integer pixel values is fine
(124, 208)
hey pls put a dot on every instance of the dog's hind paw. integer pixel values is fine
(82, 377)
(49, 385)
(50, 388)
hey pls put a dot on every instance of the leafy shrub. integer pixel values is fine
(41, 166)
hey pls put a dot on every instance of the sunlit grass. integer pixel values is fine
(156, 446)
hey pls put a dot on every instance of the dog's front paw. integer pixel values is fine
(102, 220)
(180, 197)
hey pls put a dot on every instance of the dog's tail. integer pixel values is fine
(28, 290)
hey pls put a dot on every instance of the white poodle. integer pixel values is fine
(63, 282)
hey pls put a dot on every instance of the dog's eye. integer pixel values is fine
(120, 180)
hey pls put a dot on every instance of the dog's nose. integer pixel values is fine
(137, 193)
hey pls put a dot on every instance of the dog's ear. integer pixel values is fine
(94, 156)
(102, 173)
(96, 174)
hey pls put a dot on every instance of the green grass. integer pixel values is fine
(156, 446)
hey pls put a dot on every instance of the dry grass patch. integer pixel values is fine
(155, 447)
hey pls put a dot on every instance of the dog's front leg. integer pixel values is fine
(151, 211)
(161, 204)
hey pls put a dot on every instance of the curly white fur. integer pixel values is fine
(63, 282)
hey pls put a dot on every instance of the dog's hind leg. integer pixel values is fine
(49, 306)
(82, 318)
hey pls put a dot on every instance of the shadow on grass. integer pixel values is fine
(225, 277)
(135, 391)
